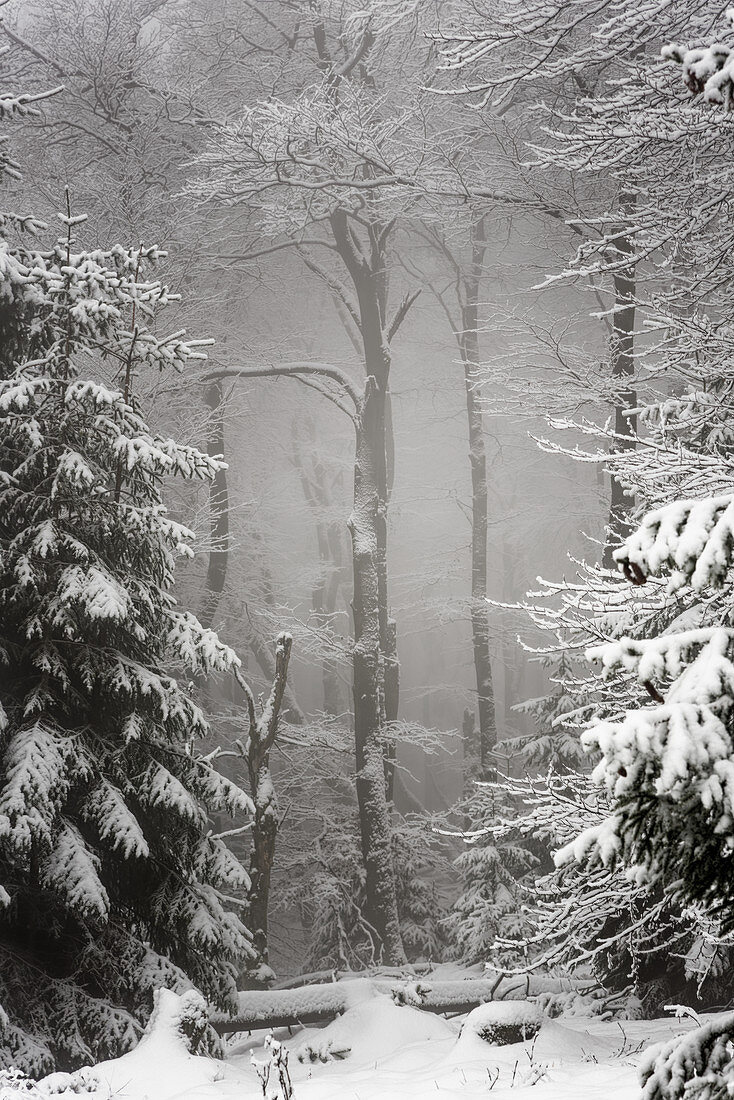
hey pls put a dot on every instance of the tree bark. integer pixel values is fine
(369, 684)
(325, 592)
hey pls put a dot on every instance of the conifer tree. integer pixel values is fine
(111, 882)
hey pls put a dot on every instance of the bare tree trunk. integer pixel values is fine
(392, 703)
(469, 345)
(262, 734)
(266, 663)
(369, 680)
(258, 647)
(623, 367)
(392, 664)
(216, 574)
(325, 593)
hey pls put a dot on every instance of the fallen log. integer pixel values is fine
(315, 1004)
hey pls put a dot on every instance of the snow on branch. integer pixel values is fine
(704, 1055)
(707, 70)
(667, 656)
(693, 539)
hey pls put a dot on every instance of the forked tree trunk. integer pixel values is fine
(374, 635)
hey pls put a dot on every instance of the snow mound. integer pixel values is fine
(162, 1065)
(373, 1028)
(556, 1044)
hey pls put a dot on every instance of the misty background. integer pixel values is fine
(148, 86)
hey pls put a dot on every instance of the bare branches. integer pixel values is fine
(278, 246)
(21, 42)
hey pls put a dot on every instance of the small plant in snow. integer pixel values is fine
(683, 1012)
(14, 1081)
(275, 1078)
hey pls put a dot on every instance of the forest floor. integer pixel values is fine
(380, 1051)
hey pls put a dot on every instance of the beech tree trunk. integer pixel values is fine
(216, 573)
(369, 684)
(469, 347)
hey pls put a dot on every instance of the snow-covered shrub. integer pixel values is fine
(15, 1083)
(186, 1017)
(410, 993)
(502, 1023)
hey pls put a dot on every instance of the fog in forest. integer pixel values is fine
(401, 331)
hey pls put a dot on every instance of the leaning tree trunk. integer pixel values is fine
(469, 345)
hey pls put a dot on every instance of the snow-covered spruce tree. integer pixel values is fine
(488, 911)
(577, 917)
(637, 943)
(112, 884)
(667, 766)
(501, 862)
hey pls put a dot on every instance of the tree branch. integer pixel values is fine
(292, 370)
(364, 46)
(268, 723)
(401, 313)
(333, 284)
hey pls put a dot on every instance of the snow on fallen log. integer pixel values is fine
(319, 1003)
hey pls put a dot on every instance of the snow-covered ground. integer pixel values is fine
(399, 1053)
(381, 1051)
